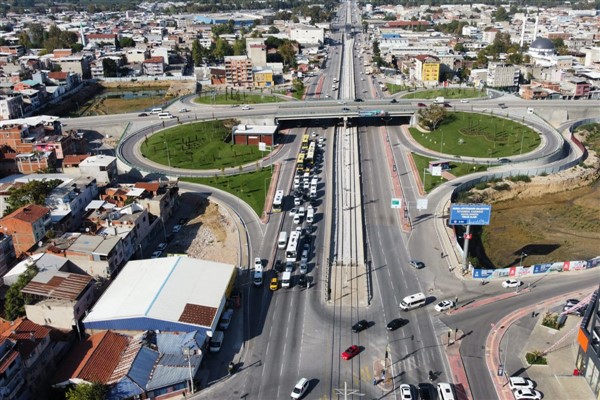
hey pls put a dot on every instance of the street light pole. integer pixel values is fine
(522, 256)
(188, 353)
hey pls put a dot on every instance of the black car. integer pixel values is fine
(393, 101)
(142, 115)
(360, 326)
(279, 267)
(395, 324)
(358, 100)
(302, 280)
(426, 391)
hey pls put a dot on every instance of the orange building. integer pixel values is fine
(27, 226)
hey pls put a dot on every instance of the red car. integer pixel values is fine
(350, 352)
(421, 105)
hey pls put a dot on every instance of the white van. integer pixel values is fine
(156, 111)
(445, 391)
(216, 341)
(258, 276)
(282, 241)
(165, 115)
(413, 301)
(310, 215)
(286, 278)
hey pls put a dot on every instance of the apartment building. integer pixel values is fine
(427, 70)
(27, 226)
(238, 71)
(11, 106)
(153, 66)
(101, 167)
(68, 201)
(96, 255)
(502, 75)
(7, 253)
(12, 373)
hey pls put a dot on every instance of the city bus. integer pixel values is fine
(291, 252)
(305, 141)
(300, 162)
(278, 201)
(310, 156)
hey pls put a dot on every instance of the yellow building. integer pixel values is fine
(263, 77)
(427, 70)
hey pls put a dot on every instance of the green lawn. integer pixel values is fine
(241, 97)
(203, 145)
(250, 187)
(457, 169)
(393, 88)
(478, 135)
(448, 93)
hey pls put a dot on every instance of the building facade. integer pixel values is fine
(27, 226)
(238, 71)
(502, 75)
(588, 338)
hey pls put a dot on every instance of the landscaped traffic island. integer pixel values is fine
(202, 145)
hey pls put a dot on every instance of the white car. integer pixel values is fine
(257, 263)
(300, 388)
(517, 382)
(156, 254)
(162, 246)
(510, 283)
(444, 305)
(405, 392)
(527, 394)
(246, 108)
(464, 101)
(297, 201)
(293, 211)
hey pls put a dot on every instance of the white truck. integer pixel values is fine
(439, 100)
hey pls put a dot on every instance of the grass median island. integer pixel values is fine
(456, 169)
(447, 93)
(478, 135)
(237, 98)
(203, 145)
(250, 187)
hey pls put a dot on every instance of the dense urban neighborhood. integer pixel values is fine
(103, 294)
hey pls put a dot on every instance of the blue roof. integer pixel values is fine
(390, 36)
(124, 389)
(30, 82)
(142, 366)
(173, 343)
(173, 368)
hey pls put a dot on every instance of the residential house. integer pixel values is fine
(36, 161)
(11, 106)
(238, 71)
(77, 64)
(37, 350)
(7, 253)
(575, 88)
(27, 226)
(69, 142)
(102, 167)
(68, 201)
(158, 198)
(12, 372)
(257, 51)
(136, 55)
(502, 75)
(263, 77)
(60, 299)
(153, 66)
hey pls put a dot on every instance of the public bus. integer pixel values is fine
(278, 201)
(291, 252)
(310, 156)
(300, 162)
(305, 141)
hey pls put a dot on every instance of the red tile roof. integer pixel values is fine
(28, 334)
(93, 359)
(74, 159)
(30, 213)
(198, 315)
(154, 60)
(7, 359)
(148, 186)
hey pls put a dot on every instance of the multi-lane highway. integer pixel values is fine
(359, 253)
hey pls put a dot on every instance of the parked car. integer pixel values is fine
(444, 305)
(176, 228)
(425, 391)
(350, 352)
(405, 392)
(303, 280)
(511, 283)
(396, 323)
(161, 246)
(257, 263)
(527, 394)
(517, 382)
(156, 254)
(360, 326)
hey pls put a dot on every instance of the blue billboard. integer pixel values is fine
(470, 214)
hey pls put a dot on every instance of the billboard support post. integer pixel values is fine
(466, 249)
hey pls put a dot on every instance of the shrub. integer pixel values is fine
(501, 186)
(481, 186)
(536, 357)
(520, 178)
(551, 320)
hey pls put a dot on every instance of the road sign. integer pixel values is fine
(396, 203)
(422, 204)
(470, 214)
(262, 146)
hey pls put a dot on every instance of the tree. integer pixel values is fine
(196, 52)
(500, 14)
(273, 30)
(288, 53)
(222, 49)
(460, 48)
(431, 117)
(298, 85)
(88, 391)
(239, 47)
(126, 42)
(110, 67)
(33, 192)
(14, 305)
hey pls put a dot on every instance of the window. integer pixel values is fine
(103, 169)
